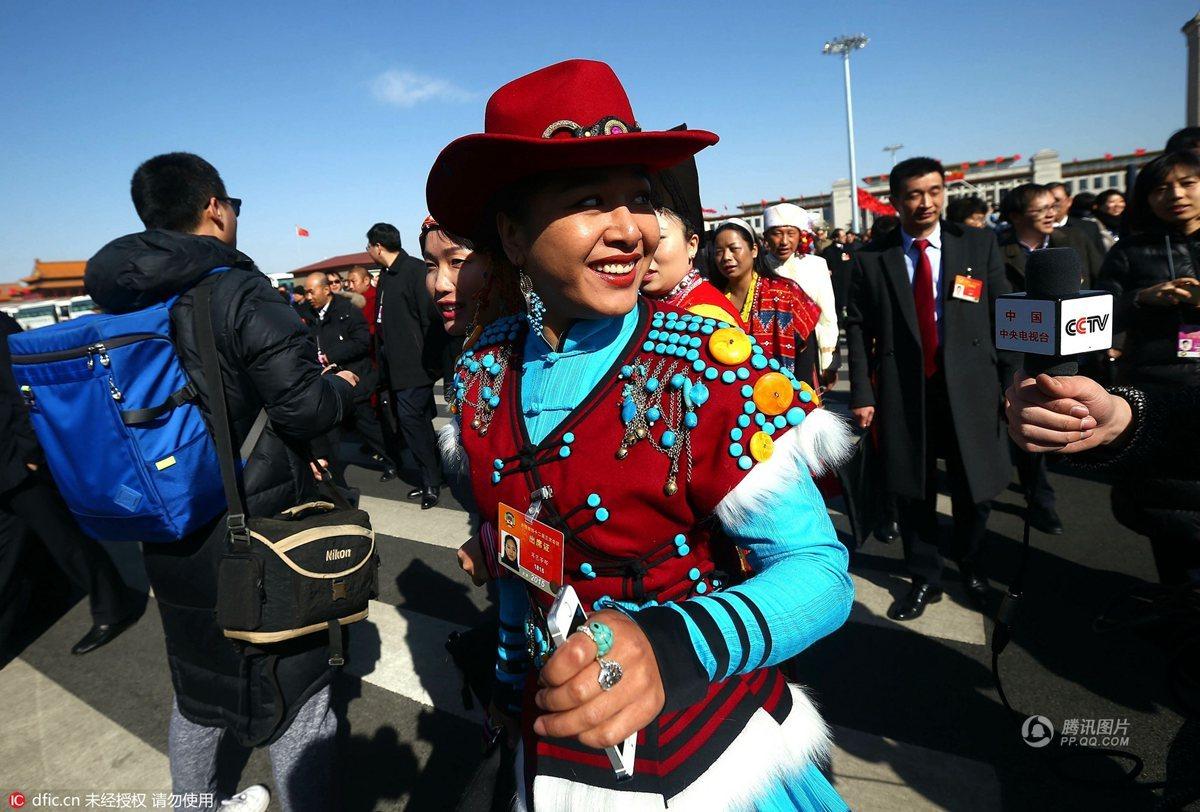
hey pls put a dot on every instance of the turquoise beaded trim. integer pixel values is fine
(485, 365)
(672, 384)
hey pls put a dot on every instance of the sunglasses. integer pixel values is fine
(235, 203)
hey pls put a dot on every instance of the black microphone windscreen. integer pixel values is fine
(1053, 273)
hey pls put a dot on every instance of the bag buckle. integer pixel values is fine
(235, 523)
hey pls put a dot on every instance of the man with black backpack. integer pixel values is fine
(278, 695)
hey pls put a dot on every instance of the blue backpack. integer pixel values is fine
(117, 419)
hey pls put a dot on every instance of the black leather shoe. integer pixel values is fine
(912, 605)
(429, 498)
(102, 634)
(976, 585)
(416, 493)
(888, 532)
(1045, 519)
(388, 474)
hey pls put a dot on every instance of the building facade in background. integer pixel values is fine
(988, 179)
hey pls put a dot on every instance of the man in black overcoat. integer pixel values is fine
(410, 342)
(924, 368)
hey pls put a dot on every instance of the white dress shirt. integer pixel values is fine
(934, 252)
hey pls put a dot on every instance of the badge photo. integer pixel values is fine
(1189, 341)
(967, 288)
(510, 552)
(530, 549)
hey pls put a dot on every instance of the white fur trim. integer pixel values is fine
(819, 444)
(450, 442)
(762, 756)
(825, 441)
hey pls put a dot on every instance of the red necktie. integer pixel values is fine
(926, 308)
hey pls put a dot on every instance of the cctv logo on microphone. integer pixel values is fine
(1087, 324)
(1060, 327)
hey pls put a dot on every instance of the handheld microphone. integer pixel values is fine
(1053, 320)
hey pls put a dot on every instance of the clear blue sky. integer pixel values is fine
(329, 115)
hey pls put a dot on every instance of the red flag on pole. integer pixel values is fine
(871, 203)
(301, 232)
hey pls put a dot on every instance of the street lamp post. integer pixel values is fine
(893, 148)
(843, 46)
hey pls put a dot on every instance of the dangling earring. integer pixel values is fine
(533, 302)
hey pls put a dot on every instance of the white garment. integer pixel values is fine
(811, 273)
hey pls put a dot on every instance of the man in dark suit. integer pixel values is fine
(923, 366)
(344, 340)
(409, 340)
(29, 500)
(837, 257)
(1085, 233)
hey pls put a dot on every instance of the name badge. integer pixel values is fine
(1189, 341)
(531, 549)
(967, 288)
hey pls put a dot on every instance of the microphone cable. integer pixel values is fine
(1180, 604)
(1002, 635)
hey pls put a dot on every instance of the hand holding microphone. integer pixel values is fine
(1049, 406)
(1065, 415)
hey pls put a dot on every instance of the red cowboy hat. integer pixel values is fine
(572, 115)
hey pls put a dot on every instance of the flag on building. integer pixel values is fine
(301, 232)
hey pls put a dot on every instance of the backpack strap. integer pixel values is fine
(136, 417)
(235, 519)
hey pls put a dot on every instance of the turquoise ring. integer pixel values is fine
(600, 634)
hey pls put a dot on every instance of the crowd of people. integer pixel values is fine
(638, 413)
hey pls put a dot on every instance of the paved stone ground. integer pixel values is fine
(916, 719)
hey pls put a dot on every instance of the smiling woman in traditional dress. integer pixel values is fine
(649, 444)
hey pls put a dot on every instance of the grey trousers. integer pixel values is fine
(302, 759)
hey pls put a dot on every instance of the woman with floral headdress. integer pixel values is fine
(631, 448)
